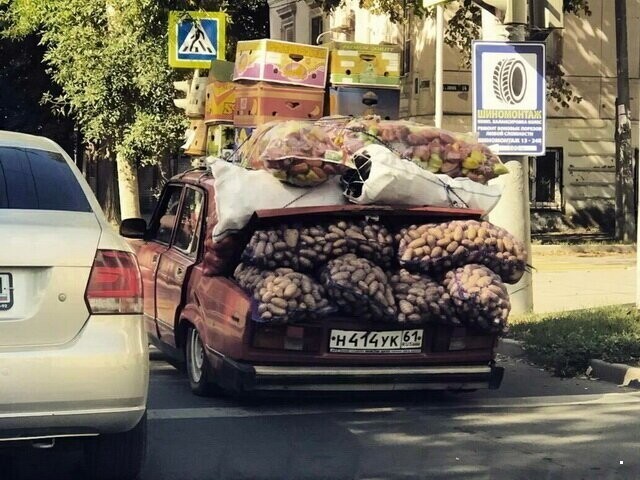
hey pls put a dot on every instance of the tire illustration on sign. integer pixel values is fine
(510, 81)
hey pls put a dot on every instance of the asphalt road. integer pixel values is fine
(534, 427)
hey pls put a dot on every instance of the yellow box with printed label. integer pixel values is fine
(354, 63)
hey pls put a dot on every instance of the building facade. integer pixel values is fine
(572, 186)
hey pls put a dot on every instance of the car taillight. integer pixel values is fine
(114, 285)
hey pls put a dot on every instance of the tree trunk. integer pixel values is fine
(128, 188)
(107, 188)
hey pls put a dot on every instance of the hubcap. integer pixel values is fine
(196, 353)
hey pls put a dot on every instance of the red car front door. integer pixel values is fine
(175, 264)
(158, 241)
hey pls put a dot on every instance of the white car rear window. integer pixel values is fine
(38, 180)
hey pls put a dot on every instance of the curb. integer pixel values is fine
(618, 373)
(510, 348)
(599, 249)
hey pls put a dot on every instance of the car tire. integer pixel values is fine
(199, 371)
(117, 456)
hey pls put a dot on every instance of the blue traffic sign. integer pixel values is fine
(196, 38)
(509, 96)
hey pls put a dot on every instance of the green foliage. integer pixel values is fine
(110, 60)
(565, 342)
(23, 79)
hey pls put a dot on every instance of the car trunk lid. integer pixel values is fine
(45, 262)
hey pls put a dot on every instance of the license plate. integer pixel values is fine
(389, 341)
(6, 291)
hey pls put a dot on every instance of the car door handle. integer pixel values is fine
(154, 259)
(180, 272)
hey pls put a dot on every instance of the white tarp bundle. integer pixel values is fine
(240, 192)
(394, 181)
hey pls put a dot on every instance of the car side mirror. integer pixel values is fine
(133, 228)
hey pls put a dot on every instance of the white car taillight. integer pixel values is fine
(115, 285)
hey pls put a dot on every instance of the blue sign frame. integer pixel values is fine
(509, 96)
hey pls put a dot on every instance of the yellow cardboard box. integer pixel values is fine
(364, 64)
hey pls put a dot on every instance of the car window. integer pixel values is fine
(39, 180)
(187, 233)
(168, 213)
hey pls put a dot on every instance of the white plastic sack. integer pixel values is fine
(395, 181)
(240, 192)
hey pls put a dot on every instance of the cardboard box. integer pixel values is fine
(281, 62)
(196, 97)
(220, 140)
(220, 93)
(364, 64)
(263, 102)
(196, 138)
(241, 135)
(357, 101)
(220, 102)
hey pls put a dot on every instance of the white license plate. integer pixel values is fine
(390, 341)
(6, 291)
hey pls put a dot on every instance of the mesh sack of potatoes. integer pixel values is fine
(421, 299)
(285, 296)
(479, 297)
(248, 276)
(359, 288)
(436, 248)
(273, 248)
(305, 248)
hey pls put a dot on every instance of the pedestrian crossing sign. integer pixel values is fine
(196, 38)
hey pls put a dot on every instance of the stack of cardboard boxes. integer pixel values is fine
(194, 107)
(364, 80)
(277, 80)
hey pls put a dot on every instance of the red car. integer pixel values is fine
(204, 320)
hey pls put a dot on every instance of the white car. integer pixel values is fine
(73, 349)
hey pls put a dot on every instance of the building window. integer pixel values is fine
(545, 185)
(406, 57)
(288, 33)
(317, 27)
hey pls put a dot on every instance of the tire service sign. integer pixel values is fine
(509, 96)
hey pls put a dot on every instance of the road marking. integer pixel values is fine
(499, 403)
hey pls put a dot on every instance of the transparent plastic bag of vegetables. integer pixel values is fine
(433, 149)
(297, 152)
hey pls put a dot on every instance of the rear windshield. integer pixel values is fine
(38, 180)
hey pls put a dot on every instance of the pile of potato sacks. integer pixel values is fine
(451, 273)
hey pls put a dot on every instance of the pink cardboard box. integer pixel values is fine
(281, 62)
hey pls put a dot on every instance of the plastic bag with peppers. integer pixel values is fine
(297, 152)
(434, 149)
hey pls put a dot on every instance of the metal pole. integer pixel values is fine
(439, 63)
(512, 211)
(625, 215)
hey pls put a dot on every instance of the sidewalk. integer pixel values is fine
(574, 277)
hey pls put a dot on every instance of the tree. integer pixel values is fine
(464, 27)
(23, 80)
(109, 59)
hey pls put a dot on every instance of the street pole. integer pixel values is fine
(513, 211)
(439, 64)
(625, 215)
